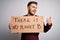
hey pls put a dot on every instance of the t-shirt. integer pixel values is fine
(34, 36)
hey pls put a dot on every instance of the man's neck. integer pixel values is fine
(30, 14)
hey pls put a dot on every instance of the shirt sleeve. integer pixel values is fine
(47, 27)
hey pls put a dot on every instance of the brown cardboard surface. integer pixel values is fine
(27, 24)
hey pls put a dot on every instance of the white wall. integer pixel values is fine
(46, 8)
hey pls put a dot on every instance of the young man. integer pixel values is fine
(32, 6)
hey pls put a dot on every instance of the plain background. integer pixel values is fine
(46, 8)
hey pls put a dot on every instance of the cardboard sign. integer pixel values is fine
(27, 24)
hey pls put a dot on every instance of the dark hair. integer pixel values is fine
(31, 2)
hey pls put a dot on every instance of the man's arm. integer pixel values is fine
(47, 27)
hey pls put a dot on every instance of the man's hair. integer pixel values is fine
(31, 2)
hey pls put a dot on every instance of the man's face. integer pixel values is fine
(32, 9)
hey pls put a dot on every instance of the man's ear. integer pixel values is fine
(28, 7)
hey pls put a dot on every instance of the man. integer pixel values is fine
(32, 6)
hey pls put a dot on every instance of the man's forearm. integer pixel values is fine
(47, 27)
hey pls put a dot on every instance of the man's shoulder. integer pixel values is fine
(25, 15)
(36, 15)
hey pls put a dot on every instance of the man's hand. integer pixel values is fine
(49, 22)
